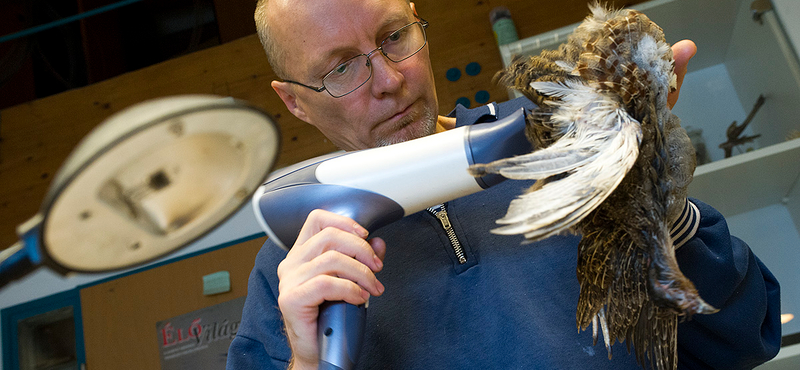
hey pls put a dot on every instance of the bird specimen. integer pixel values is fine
(734, 131)
(612, 164)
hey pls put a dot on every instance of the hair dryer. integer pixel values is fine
(376, 187)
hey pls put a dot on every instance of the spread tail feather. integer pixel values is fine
(600, 144)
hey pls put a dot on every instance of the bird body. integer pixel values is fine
(613, 164)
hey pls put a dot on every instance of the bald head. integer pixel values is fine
(275, 54)
(268, 17)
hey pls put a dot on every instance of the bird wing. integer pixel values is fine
(599, 146)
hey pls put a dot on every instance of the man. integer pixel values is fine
(499, 304)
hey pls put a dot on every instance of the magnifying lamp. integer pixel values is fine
(149, 180)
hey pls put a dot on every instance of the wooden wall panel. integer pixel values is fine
(120, 316)
(36, 137)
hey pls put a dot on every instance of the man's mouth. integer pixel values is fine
(393, 129)
(399, 115)
(396, 121)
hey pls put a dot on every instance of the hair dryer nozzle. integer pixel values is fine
(501, 139)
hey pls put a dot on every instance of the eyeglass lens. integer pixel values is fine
(356, 71)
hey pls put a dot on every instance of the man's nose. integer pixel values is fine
(386, 77)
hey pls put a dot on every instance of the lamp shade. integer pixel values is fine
(154, 178)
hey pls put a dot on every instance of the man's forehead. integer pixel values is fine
(309, 13)
(321, 26)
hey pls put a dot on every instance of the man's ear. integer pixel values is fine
(289, 98)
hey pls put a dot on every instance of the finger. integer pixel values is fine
(334, 239)
(379, 247)
(338, 265)
(682, 52)
(319, 219)
(319, 289)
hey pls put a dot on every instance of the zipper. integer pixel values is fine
(440, 212)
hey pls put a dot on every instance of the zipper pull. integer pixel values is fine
(442, 216)
(441, 213)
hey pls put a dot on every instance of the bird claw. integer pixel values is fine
(680, 296)
(697, 306)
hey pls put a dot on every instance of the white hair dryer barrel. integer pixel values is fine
(376, 187)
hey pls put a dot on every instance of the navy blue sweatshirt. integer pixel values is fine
(512, 305)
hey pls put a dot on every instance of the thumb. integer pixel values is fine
(682, 52)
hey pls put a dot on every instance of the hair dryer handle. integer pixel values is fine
(340, 329)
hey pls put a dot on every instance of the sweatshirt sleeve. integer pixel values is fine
(747, 330)
(260, 342)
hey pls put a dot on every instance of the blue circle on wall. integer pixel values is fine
(463, 101)
(453, 74)
(482, 97)
(473, 69)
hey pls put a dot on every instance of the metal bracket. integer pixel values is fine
(759, 7)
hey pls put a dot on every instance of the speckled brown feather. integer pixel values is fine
(630, 282)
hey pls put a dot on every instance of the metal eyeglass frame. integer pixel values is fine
(322, 88)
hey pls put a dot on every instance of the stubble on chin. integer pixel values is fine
(425, 127)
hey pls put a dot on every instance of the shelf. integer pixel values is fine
(750, 181)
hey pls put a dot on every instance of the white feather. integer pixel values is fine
(567, 66)
(561, 89)
(561, 204)
(600, 14)
(600, 145)
(650, 55)
(604, 326)
(540, 164)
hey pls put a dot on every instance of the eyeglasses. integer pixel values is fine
(356, 71)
